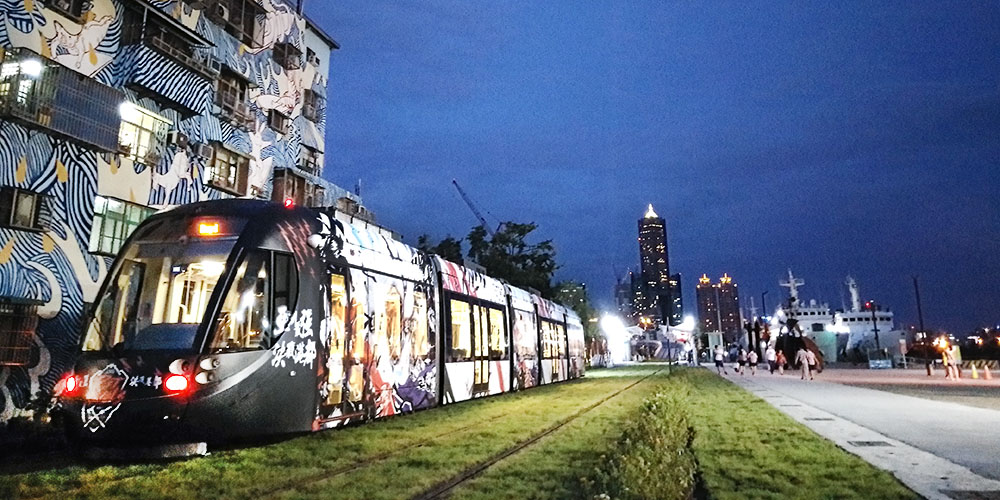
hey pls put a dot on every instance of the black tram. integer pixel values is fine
(229, 319)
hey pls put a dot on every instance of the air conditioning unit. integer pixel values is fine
(206, 151)
(314, 59)
(177, 138)
(309, 111)
(214, 65)
(152, 158)
(277, 121)
(219, 13)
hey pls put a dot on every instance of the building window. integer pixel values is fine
(228, 171)
(19, 209)
(142, 133)
(311, 57)
(238, 18)
(287, 55)
(17, 327)
(310, 105)
(114, 221)
(73, 9)
(310, 160)
(231, 97)
(278, 121)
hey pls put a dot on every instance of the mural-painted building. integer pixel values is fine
(112, 109)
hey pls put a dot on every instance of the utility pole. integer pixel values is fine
(763, 303)
(872, 306)
(920, 318)
(920, 310)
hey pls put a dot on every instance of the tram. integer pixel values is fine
(230, 319)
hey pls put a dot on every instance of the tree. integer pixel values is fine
(508, 255)
(449, 248)
(573, 294)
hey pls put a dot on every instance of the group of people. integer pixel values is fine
(775, 359)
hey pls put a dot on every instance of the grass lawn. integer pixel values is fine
(746, 449)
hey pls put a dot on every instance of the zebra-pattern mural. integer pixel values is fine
(53, 267)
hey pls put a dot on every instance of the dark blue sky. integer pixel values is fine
(858, 138)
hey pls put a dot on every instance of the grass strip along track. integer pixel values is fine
(417, 450)
(443, 489)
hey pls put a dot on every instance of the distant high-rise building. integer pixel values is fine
(708, 304)
(719, 307)
(624, 296)
(730, 319)
(654, 269)
(676, 303)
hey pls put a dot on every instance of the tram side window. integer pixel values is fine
(460, 332)
(393, 324)
(286, 284)
(243, 322)
(335, 326)
(498, 335)
(417, 324)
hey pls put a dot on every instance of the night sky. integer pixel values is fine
(859, 138)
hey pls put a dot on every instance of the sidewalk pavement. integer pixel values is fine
(938, 449)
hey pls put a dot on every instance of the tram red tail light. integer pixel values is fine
(175, 383)
(71, 385)
(289, 203)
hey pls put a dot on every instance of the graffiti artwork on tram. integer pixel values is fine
(377, 336)
(105, 390)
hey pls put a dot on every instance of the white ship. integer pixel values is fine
(840, 335)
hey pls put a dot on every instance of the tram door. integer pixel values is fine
(345, 375)
(480, 351)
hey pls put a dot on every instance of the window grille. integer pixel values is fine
(17, 327)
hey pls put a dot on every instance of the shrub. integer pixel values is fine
(652, 459)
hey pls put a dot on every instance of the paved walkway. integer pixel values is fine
(937, 448)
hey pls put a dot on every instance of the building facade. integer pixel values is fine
(708, 304)
(730, 316)
(676, 300)
(654, 270)
(112, 109)
(719, 307)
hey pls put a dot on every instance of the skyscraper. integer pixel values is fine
(676, 303)
(730, 319)
(719, 307)
(708, 304)
(655, 269)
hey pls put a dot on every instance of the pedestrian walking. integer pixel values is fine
(741, 360)
(802, 360)
(781, 361)
(752, 361)
(771, 356)
(720, 358)
(811, 357)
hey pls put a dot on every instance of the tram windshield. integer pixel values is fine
(157, 297)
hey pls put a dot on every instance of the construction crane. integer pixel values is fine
(472, 206)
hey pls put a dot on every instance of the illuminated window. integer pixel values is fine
(228, 171)
(142, 133)
(17, 327)
(20, 209)
(335, 327)
(461, 331)
(356, 377)
(418, 327)
(498, 335)
(114, 221)
(243, 322)
(393, 323)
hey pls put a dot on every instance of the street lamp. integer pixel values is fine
(871, 306)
